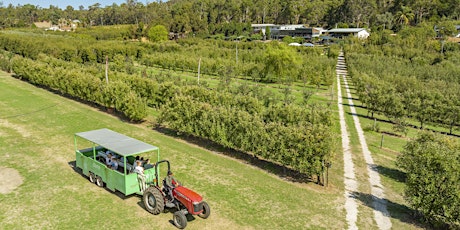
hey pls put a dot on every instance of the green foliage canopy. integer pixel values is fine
(432, 164)
(158, 33)
(281, 62)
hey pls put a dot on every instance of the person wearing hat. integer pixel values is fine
(170, 180)
(170, 184)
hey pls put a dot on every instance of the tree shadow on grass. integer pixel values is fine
(271, 167)
(392, 123)
(368, 117)
(358, 106)
(116, 113)
(392, 173)
(395, 210)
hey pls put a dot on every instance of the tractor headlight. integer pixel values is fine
(197, 206)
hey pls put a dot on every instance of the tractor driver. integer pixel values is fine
(170, 184)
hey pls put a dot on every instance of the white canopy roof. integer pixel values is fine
(116, 142)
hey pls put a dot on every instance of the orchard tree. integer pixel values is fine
(158, 33)
(431, 163)
(281, 64)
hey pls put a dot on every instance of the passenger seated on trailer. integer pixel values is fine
(114, 164)
(147, 164)
(136, 160)
(111, 161)
(108, 159)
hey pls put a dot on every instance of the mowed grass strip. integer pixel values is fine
(36, 138)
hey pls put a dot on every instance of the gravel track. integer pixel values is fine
(351, 185)
(379, 203)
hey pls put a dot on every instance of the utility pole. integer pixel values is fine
(107, 69)
(237, 53)
(199, 67)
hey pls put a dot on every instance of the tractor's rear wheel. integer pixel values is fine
(154, 201)
(99, 181)
(206, 211)
(180, 220)
(92, 177)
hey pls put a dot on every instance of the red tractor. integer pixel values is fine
(183, 199)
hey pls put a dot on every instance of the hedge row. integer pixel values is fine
(303, 147)
(83, 86)
(295, 136)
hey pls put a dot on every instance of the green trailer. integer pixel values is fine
(92, 160)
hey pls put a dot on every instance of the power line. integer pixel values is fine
(32, 112)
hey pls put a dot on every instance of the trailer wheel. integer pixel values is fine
(99, 181)
(153, 200)
(180, 220)
(206, 211)
(92, 177)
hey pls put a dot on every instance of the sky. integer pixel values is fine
(63, 4)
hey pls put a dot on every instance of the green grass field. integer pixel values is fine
(36, 139)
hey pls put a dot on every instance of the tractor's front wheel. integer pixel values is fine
(206, 211)
(180, 220)
(154, 201)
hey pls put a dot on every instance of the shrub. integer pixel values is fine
(432, 164)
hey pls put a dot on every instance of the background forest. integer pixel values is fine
(235, 16)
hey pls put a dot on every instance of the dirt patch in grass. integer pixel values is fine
(9, 180)
(24, 132)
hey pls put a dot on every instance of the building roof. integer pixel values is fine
(116, 142)
(346, 30)
(291, 27)
(261, 25)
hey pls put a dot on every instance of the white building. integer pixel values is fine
(344, 32)
(318, 31)
(281, 31)
(256, 28)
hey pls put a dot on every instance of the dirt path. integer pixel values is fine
(379, 203)
(9, 180)
(351, 185)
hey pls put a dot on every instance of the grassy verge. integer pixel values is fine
(37, 130)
